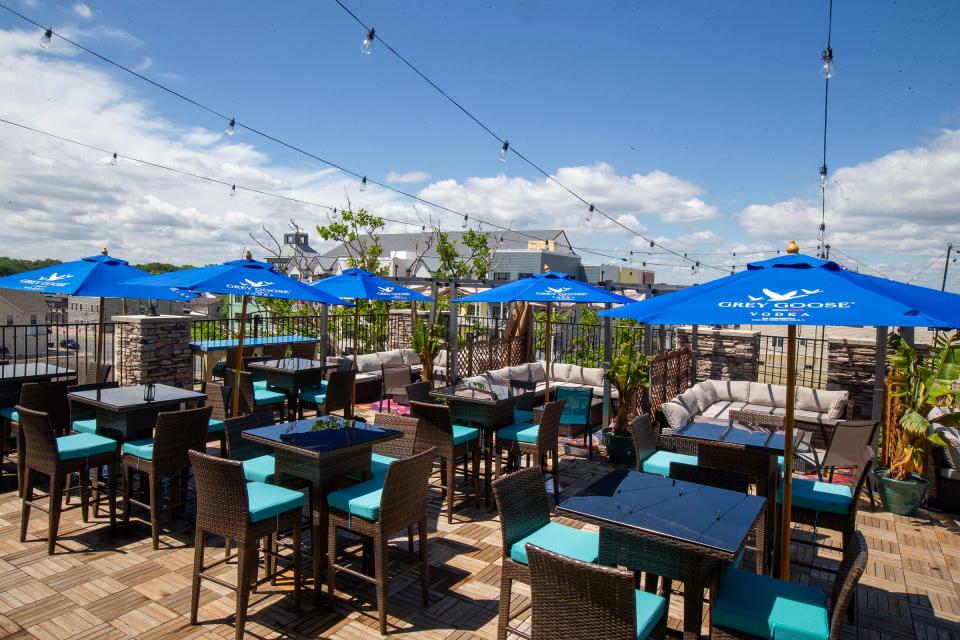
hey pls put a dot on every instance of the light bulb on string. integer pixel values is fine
(363, 183)
(367, 46)
(590, 213)
(822, 180)
(231, 128)
(333, 216)
(503, 150)
(233, 191)
(113, 160)
(46, 38)
(827, 69)
(652, 244)
(465, 222)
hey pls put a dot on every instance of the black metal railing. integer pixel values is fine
(70, 346)
(812, 361)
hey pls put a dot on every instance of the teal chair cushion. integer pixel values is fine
(769, 608)
(260, 469)
(780, 466)
(659, 462)
(140, 448)
(820, 496)
(220, 368)
(260, 384)
(379, 464)
(463, 434)
(215, 426)
(9, 413)
(83, 445)
(519, 432)
(522, 415)
(362, 499)
(88, 425)
(314, 395)
(559, 538)
(650, 608)
(266, 397)
(576, 409)
(269, 500)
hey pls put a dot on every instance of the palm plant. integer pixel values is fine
(924, 382)
(426, 342)
(628, 373)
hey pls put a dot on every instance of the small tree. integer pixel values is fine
(629, 374)
(426, 342)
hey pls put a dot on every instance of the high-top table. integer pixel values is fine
(686, 531)
(292, 375)
(12, 377)
(213, 350)
(753, 452)
(318, 451)
(124, 412)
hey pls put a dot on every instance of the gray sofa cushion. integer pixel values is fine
(592, 376)
(768, 395)
(391, 357)
(731, 390)
(675, 413)
(368, 362)
(821, 400)
(720, 409)
(689, 400)
(410, 356)
(537, 372)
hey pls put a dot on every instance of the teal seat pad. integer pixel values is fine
(519, 432)
(264, 397)
(260, 384)
(270, 500)
(83, 445)
(378, 467)
(559, 538)
(260, 469)
(314, 395)
(659, 462)
(820, 496)
(463, 434)
(88, 425)
(140, 448)
(361, 499)
(769, 608)
(215, 426)
(10, 413)
(650, 609)
(522, 415)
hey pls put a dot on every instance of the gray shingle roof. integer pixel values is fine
(414, 242)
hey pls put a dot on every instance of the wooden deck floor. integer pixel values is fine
(103, 587)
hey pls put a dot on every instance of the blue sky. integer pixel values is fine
(715, 108)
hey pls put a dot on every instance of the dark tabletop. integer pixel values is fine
(33, 371)
(324, 434)
(494, 395)
(290, 365)
(129, 398)
(685, 511)
(761, 440)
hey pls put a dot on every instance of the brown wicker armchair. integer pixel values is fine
(305, 350)
(375, 509)
(274, 350)
(255, 400)
(46, 397)
(230, 507)
(92, 375)
(218, 399)
(164, 456)
(451, 442)
(401, 447)
(338, 395)
(420, 392)
(58, 458)
(571, 600)
(537, 441)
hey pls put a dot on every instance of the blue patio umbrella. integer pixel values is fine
(246, 278)
(358, 284)
(797, 290)
(549, 287)
(101, 276)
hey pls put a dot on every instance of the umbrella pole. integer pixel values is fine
(356, 332)
(547, 353)
(788, 454)
(100, 339)
(238, 365)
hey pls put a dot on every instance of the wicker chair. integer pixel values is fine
(451, 442)
(164, 456)
(525, 517)
(83, 417)
(535, 440)
(336, 396)
(220, 368)
(576, 412)
(90, 373)
(218, 399)
(420, 392)
(572, 599)
(47, 397)
(59, 458)
(305, 350)
(744, 605)
(243, 512)
(756, 420)
(255, 399)
(375, 509)
(274, 350)
(710, 476)
(394, 379)
(648, 458)
(401, 447)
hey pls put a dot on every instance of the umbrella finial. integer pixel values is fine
(792, 247)
(248, 256)
(103, 251)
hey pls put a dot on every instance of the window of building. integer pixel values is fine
(33, 318)
(524, 275)
(501, 275)
(9, 320)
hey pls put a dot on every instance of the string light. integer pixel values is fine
(233, 191)
(822, 181)
(231, 128)
(333, 214)
(503, 150)
(367, 46)
(46, 38)
(590, 213)
(363, 184)
(827, 69)
(465, 222)
(113, 160)
(652, 244)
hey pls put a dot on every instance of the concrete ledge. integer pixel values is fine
(151, 319)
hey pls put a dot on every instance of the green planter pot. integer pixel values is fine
(619, 448)
(902, 497)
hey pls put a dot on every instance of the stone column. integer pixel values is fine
(851, 365)
(153, 349)
(723, 354)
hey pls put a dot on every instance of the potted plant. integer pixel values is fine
(426, 342)
(628, 374)
(922, 382)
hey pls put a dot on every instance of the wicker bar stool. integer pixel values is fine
(305, 350)
(420, 392)
(536, 441)
(164, 456)
(59, 458)
(649, 459)
(711, 476)
(452, 442)
(525, 517)
(337, 395)
(218, 399)
(752, 606)
(254, 399)
(244, 512)
(83, 417)
(274, 350)
(375, 509)
(572, 599)
(46, 397)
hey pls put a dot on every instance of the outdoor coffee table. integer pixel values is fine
(213, 350)
(12, 377)
(292, 375)
(746, 451)
(123, 411)
(685, 531)
(318, 451)
(488, 409)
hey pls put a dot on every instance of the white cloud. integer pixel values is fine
(82, 10)
(145, 64)
(408, 177)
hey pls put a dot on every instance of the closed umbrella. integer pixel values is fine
(797, 290)
(245, 278)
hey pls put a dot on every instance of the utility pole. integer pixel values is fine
(946, 267)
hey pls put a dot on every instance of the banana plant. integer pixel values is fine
(628, 374)
(426, 342)
(924, 382)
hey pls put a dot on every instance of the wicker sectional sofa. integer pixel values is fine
(369, 368)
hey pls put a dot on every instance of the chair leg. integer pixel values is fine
(55, 506)
(25, 506)
(555, 472)
(382, 579)
(155, 490)
(198, 547)
(127, 489)
(247, 563)
(451, 470)
(503, 616)
(476, 476)
(84, 480)
(424, 561)
(297, 562)
(331, 562)
(20, 462)
(112, 495)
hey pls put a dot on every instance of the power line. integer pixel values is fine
(860, 262)
(930, 264)
(505, 144)
(827, 73)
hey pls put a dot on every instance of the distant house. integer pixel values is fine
(24, 315)
(83, 309)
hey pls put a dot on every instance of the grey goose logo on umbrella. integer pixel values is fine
(777, 306)
(559, 293)
(53, 280)
(257, 287)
